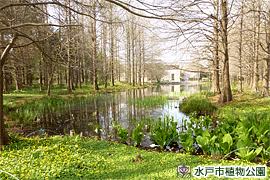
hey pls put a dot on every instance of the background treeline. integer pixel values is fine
(74, 43)
(232, 40)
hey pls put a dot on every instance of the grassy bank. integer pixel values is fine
(60, 90)
(71, 157)
(245, 103)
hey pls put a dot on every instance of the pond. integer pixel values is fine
(100, 112)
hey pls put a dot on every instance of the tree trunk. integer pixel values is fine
(266, 66)
(58, 76)
(79, 75)
(140, 60)
(128, 69)
(143, 59)
(112, 47)
(226, 94)
(94, 45)
(240, 78)
(68, 74)
(215, 79)
(257, 22)
(17, 76)
(4, 137)
(105, 55)
(49, 85)
(5, 83)
(133, 52)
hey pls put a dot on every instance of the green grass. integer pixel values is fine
(245, 103)
(73, 158)
(34, 91)
(205, 82)
(207, 93)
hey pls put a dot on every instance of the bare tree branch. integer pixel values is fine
(141, 15)
(6, 51)
(36, 24)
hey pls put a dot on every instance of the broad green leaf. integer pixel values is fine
(227, 138)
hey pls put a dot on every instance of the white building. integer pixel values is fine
(172, 75)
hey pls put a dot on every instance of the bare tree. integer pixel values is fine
(215, 77)
(257, 25)
(266, 60)
(94, 49)
(240, 48)
(226, 94)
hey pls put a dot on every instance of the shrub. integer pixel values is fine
(197, 103)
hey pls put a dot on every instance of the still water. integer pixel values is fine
(101, 111)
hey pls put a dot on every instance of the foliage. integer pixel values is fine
(137, 133)
(83, 158)
(208, 143)
(253, 131)
(121, 132)
(164, 131)
(248, 136)
(226, 143)
(197, 103)
(187, 141)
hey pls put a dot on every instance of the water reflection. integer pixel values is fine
(103, 110)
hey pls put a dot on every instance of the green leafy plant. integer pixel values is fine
(164, 131)
(265, 155)
(187, 141)
(197, 125)
(245, 144)
(137, 133)
(226, 143)
(121, 132)
(249, 154)
(208, 143)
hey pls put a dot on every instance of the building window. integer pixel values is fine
(172, 77)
